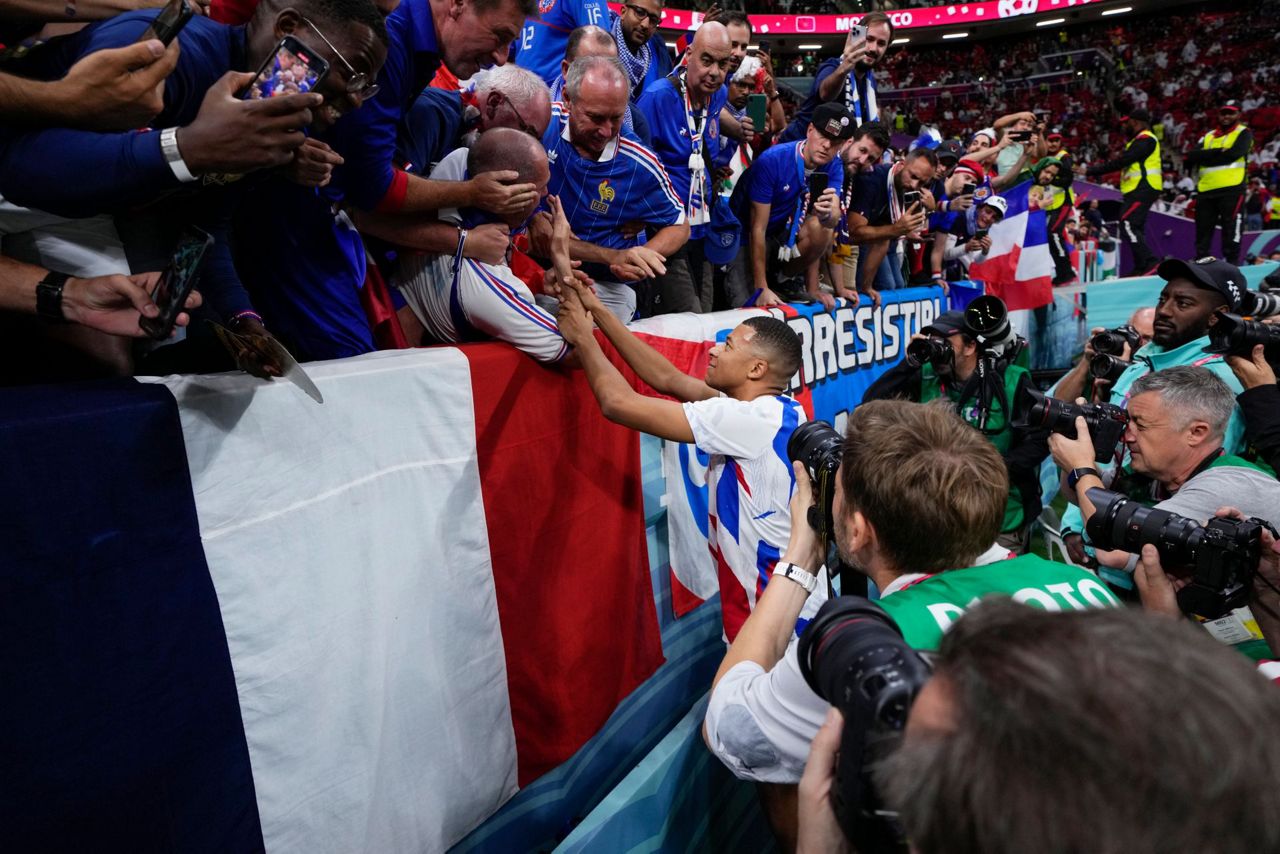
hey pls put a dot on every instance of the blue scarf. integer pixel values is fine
(636, 66)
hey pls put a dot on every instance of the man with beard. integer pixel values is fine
(633, 31)
(848, 79)
(860, 154)
(878, 217)
(1222, 157)
(1187, 307)
(683, 112)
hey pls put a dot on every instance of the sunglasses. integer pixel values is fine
(358, 83)
(654, 18)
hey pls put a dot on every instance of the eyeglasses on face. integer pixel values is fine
(358, 82)
(654, 18)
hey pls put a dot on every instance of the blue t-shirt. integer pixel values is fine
(430, 130)
(627, 184)
(663, 107)
(775, 178)
(543, 38)
(871, 195)
(804, 113)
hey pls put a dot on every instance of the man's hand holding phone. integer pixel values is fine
(827, 208)
(231, 135)
(116, 304)
(114, 90)
(911, 221)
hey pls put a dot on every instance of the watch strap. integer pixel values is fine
(173, 156)
(1073, 477)
(803, 577)
(49, 297)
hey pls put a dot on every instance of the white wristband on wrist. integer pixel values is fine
(172, 156)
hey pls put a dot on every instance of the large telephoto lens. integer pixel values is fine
(1122, 523)
(1232, 335)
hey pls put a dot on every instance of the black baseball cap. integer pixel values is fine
(1211, 273)
(948, 323)
(834, 121)
(950, 150)
(1138, 116)
(1229, 107)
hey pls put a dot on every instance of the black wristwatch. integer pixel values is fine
(49, 297)
(1073, 477)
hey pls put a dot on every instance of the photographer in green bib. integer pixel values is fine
(913, 498)
(968, 358)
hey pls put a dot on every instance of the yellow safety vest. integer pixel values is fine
(1227, 175)
(1053, 198)
(1273, 208)
(1149, 169)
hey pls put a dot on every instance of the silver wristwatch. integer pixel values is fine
(172, 156)
(804, 578)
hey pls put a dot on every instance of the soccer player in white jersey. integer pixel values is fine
(740, 414)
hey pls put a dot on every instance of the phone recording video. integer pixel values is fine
(817, 185)
(293, 69)
(1020, 135)
(968, 189)
(177, 282)
(980, 233)
(166, 25)
(910, 199)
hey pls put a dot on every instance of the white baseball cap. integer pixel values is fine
(999, 203)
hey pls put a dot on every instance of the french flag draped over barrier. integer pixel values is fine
(1018, 269)
(232, 619)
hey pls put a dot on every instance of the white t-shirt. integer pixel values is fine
(760, 723)
(749, 484)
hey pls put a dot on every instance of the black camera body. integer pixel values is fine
(1232, 335)
(1222, 556)
(934, 351)
(1112, 341)
(1106, 421)
(1107, 367)
(854, 656)
(818, 446)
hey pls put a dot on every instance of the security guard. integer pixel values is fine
(1222, 157)
(1141, 183)
(1058, 203)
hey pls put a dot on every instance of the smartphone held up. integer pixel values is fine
(176, 283)
(292, 69)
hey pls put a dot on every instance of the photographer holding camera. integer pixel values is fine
(1259, 403)
(1177, 419)
(1053, 732)
(903, 469)
(1187, 308)
(951, 359)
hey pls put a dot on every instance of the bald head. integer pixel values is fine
(587, 41)
(498, 149)
(709, 58)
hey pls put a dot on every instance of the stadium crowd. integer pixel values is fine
(340, 176)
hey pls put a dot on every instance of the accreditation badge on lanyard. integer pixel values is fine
(699, 212)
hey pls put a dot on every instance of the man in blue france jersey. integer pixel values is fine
(740, 415)
(848, 79)
(606, 182)
(545, 36)
(683, 112)
(789, 232)
(595, 41)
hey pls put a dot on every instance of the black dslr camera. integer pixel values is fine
(1112, 341)
(1107, 367)
(853, 655)
(818, 446)
(988, 318)
(934, 351)
(1232, 335)
(1221, 556)
(1106, 421)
